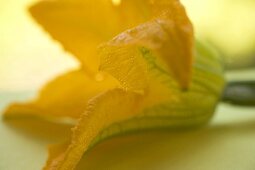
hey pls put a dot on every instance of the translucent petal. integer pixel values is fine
(81, 25)
(80, 28)
(66, 96)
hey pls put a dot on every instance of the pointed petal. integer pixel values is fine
(66, 96)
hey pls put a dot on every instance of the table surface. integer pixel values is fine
(227, 143)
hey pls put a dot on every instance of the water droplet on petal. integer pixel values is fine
(99, 77)
(116, 2)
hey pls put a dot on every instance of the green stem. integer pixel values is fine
(240, 93)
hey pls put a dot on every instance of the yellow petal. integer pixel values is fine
(169, 36)
(126, 64)
(81, 25)
(66, 96)
(162, 105)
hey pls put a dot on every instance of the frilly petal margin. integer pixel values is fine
(169, 36)
(118, 111)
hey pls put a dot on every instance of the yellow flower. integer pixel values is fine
(144, 50)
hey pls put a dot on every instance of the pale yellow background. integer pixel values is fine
(28, 58)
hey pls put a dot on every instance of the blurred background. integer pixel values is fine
(28, 56)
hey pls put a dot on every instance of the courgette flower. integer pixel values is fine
(140, 68)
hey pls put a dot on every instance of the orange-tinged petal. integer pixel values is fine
(66, 96)
(163, 105)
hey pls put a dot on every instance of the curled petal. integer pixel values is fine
(169, 36)
(163, 105)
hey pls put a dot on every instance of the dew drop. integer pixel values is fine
(116, 2)
(99, 77)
